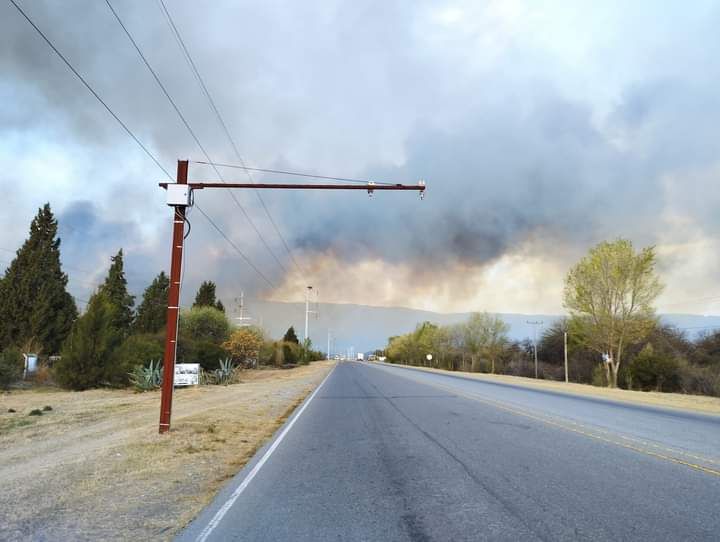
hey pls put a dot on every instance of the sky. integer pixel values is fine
(540, 129)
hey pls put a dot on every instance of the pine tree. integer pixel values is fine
(87, 355)
(291, 336)
(152, 312)
(115, 291)
(35, 306)
(219, 306)
(206, 295)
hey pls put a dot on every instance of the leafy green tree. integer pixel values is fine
(205, 296)
(202, 332)
(204, 323)
(87, 355)
(152, 312)
(12, 364)
(115, 291)
(34, 303)
(291, 336)
(485, 336)
(610, 295)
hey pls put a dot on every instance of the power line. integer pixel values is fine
(87, 85)
(244, 257)
(200, 80)
(189, 128)
(295, 173)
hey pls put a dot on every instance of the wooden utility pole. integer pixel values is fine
(180, 196)
(173, 309)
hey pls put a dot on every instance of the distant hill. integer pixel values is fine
(366, 328)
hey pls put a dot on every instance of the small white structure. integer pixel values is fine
(187, 374)
(31, 364)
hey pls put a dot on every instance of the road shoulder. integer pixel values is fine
(675, 401)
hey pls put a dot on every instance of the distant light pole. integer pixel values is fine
(535, 324)
(566, 360)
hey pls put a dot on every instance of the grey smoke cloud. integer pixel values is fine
(524, 132)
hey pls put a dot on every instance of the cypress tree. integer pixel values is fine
(115, 291)
(152, 312)
(291, 336)
(87, 355)
(35, 307)
(205, 296)
(219, 306)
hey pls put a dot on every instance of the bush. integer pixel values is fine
(292, 353)
(12, 364)
(137, 350)
(204, 324)
(208, 354)
(699, 380)
(87, 355)
(651, 370)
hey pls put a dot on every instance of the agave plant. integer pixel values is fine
(147, 378)
(225, 373)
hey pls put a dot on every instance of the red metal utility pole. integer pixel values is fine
(182, 198)
(173, 310)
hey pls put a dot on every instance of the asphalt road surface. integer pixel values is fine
(389, 453)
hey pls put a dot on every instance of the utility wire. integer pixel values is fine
(199, 79)
(279, 171)
(129, 132)
(87, 85)
(247, 260)
(189, 129)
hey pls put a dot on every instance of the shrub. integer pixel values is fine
(651, 370)
(204, 324)
(35, 412)
(87, 355)
(12, 365)
(699, 380)
(292, 353)
(137, 350)
(599, 376)
(244, 345)
(208, 354)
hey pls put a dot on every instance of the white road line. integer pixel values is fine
(215, 521)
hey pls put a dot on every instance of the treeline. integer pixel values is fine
(667, 360)
(107, 343)
(614, 338)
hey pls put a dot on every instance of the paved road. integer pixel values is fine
(388, 453)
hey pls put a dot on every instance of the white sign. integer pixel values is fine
(187, 374)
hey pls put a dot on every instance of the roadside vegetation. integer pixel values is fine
(112, 343)
(614, 337)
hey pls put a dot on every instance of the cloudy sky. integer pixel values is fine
(539, 128)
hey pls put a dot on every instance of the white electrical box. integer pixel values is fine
(178, 194)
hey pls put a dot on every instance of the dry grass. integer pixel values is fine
(694, 403)
(95, 468)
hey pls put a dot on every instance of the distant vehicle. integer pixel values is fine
(360, 356)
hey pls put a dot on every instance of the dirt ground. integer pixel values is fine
(695, 403)
(94, 467)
